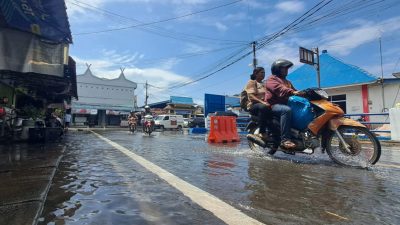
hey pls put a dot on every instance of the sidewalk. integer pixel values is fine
(26, 172)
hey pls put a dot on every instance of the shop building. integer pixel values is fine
(177, 105)
(103, 102)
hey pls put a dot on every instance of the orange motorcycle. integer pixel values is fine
(320, 124)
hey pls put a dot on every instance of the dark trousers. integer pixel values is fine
(264, 115)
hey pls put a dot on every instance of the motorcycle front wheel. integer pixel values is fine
(363, 150)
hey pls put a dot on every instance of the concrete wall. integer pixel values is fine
(375, 103)
(95, 90)
(105, 94)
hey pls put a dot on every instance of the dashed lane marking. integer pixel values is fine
(219, 208)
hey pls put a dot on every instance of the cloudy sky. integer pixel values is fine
(175, 42)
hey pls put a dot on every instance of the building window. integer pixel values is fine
(339, 100)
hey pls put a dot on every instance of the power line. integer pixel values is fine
(150, 28)
(264, 41)
(161, 21)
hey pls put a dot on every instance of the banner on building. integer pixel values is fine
(116, 113)
(26, 53)
(47, 19)
(84, 111)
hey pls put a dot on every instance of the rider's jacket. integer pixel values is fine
(278, 90)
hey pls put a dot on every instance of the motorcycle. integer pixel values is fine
(132, 126)
(320, 124)
(148, 124)
(10, 125)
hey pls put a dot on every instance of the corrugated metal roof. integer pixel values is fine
(181, 100)
(334, 73)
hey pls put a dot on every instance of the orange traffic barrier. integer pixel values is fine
(223, 129)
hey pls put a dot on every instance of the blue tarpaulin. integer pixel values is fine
(47, 19)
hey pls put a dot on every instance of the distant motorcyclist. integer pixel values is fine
(132, 120)
(147, 110)
(132, 117)
(278, 91)
(148, 117)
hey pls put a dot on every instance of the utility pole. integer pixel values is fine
(382, 83)
(254, 55)
(317, 65)
(145, 101)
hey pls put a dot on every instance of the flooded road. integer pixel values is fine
(98, 184)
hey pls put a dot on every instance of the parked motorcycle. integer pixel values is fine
(10, 125)
(148, 124)
(318, 123)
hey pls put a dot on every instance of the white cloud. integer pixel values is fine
(220, 26)
(256, 4)
(344, 41)
(291, 6)
(280, 50)
(235, 16)
(194, 48)
(168, 64)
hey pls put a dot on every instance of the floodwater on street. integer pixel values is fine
(97, 184)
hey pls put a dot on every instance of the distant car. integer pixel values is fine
(196, 122)
(169, 122)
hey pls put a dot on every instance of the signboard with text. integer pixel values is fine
(306, 56)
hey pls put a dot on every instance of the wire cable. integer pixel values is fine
(161, 21)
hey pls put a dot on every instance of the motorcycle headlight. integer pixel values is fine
(322, 93)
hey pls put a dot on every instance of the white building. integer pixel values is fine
(103, 102)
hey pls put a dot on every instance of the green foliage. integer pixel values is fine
(33, 112)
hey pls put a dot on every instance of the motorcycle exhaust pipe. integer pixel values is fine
(256, 140)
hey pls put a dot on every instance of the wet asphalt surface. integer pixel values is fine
(97, 184)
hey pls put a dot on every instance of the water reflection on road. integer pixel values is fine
(96, 184)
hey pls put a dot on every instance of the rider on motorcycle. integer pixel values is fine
(132, 118)
(148, 116)
(278, 91)
(257, 106)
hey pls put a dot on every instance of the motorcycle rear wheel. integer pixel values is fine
(257, 148)
(365, 148)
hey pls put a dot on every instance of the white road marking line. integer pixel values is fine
(219, 208)
(336, 215)
(388, 165)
